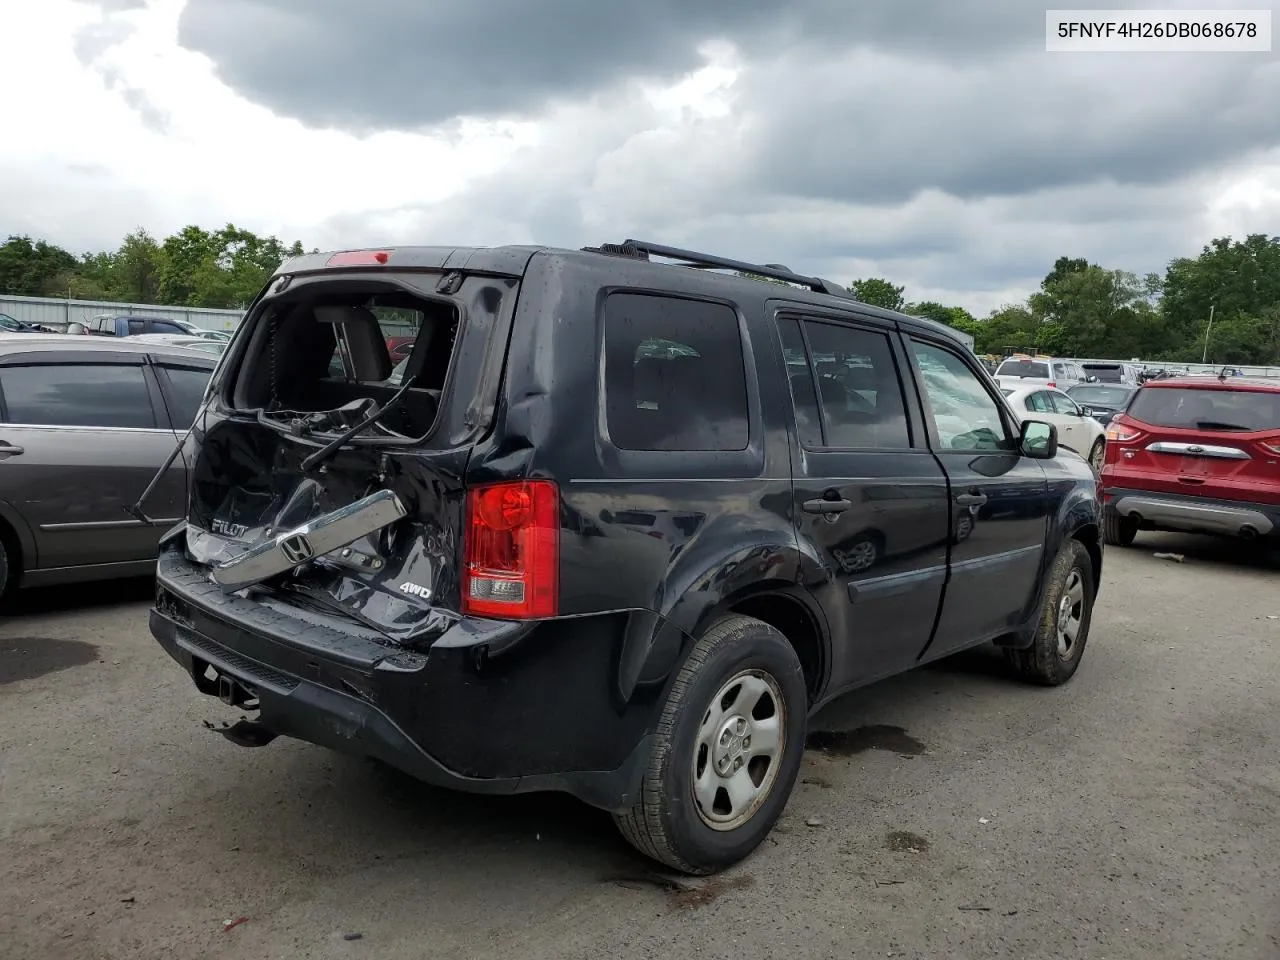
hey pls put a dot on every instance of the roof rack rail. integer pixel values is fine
(643, 250)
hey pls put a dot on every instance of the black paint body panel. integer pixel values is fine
(654, 546)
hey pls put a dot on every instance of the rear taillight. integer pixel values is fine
(1122, 432)
(512, 550)
(1051, 385)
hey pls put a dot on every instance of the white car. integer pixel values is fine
(215, 347)
(1077, 429)
(1056, 372)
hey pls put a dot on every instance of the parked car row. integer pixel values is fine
(126, 326)
(1023, 371)
(1077, 425)
(85, 424)
(10, 324)
(1195, 454)
(116, 326)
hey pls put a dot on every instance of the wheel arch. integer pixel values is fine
(767, 589)
(18, 543)
(1079, 518)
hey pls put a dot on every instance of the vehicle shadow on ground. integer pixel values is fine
(300, 806)
(1219, 551)
(338, 815)
(74, 597)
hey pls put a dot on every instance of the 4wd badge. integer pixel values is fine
(415, 590)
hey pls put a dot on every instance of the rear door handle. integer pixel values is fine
(10, 450)
(826, 506)
(972, 499)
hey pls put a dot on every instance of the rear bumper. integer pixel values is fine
(487, 708)
(1163, 511)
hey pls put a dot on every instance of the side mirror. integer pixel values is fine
(1038, 440)
(1086, 411)
(1091, 379)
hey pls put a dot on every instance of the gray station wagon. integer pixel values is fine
(85, 424)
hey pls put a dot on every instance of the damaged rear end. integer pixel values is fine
(359, 547)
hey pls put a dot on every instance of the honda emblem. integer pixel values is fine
(297, 548)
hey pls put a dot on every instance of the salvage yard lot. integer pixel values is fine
(952, 812)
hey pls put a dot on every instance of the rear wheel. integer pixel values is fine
(1118, 531)
(1065, 616)
(8, 576)
(727, 750)
(1097, 454)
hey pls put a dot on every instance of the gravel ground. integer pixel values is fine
(948, 813)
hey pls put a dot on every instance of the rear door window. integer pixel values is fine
(847, 393)
(1038, 402)
(77, 395)
(1192, 409)
(675, 374)
(185, 392)
(163, 326)
(137, 327)
(1036, 369)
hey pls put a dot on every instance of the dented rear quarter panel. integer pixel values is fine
(669, 538)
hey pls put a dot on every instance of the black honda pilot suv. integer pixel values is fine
(619, 523)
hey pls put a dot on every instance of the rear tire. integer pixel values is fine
(710, 795)
(1118, 531)
(1097, 455)
(1065, 617)
(8, 576)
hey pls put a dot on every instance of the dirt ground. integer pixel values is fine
(948, 813)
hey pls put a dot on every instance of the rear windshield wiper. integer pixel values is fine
(328, 450)
(1219, 425)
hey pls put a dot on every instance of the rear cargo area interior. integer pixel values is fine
(328, 347)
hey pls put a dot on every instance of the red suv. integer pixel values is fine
(1195, 454)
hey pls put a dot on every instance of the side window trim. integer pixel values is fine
(803, 320)
(1002, 408)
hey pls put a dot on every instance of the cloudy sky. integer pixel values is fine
(933, 142)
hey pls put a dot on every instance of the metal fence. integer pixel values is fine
(1188, 367)
(58, 313)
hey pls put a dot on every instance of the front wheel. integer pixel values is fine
(726, 753)
(1065, 616)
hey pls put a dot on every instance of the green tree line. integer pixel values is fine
(194, 267)
(1081, 309)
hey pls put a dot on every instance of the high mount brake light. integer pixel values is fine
(359, 258)
(512, 550)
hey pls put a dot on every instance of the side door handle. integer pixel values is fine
(11, 450)
(971, 499)
(826, 506)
